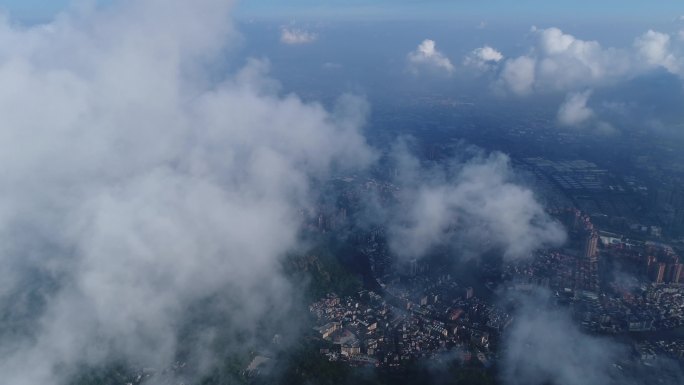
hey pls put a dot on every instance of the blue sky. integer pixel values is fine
(630, 9)
(32, 8)
(627, 10)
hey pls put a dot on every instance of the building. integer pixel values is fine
(650, 262)
(351, 348)
(328, 329)
(413, 267)
(591, 246)
(469, 292)
(674, 273)
(658, 272)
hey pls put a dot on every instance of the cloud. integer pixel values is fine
(574, 110)
(563, 62)
(427, 56)
(483, 58)
(135, 185)
(519, 74)
(295, 36)
(654, 48)
(544, 345)
(560, 62)
(332, 66)
(606, 129)
(474, 205)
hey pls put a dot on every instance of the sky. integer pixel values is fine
(407, 9)
(411, 9)
(33, 9)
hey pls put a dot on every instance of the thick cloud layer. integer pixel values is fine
(134, 184)
(475, 205)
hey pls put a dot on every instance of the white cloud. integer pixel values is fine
(574, 110)
(543, 345)
(483, 57)
(427, 56)
(565, 62)
(561, 62)
(519, 74)
(134, 185)
(297, 36)
(488, 53)
(554, 41)
(472, 206)
(654, 48)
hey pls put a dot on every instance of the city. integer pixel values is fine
(365, 192)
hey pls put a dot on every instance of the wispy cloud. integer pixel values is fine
(473, 205)
(296, 36)
(545, 345)
(574, 110)
(519, 74)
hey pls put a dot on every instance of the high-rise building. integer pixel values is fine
(469, 292)
(591, 246)
(413, 267)
(573, 219)
(658, 272)
(673, 273)
(576, 220)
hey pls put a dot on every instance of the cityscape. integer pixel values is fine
(612, 284)
(365, 192)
